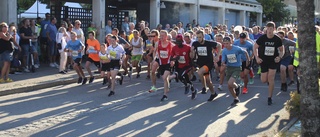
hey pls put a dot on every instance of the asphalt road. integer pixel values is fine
(75, 110)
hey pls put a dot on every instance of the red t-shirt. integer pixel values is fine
(184, 55)
(164, 53)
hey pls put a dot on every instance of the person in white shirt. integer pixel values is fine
(61, 40)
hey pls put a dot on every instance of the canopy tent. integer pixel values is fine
(39, 9)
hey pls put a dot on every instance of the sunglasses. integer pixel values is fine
(151, 36)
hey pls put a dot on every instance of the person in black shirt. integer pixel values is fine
(26, 35)
(268, 52)
(204, 50)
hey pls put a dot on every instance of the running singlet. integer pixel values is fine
(183, 54)
(164, 53)
(103, 57)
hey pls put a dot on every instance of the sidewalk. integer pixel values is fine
(44, 77)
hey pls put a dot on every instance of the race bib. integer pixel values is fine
(291, 48)
(75, 53)
(163, 54)
(92, 51)
(182, 60)
(232, 58)
(113, 54)
(202, 51)
(269, 51)
(103, 58)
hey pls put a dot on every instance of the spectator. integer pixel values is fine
(51, 35)
(6, 52)
(93, 27)
(43, 38)
(125, 26)
(16, 64)
(109, 27)
(26, 35)
(79, 31)
(168, 29)
(61, 38)
(35, 32)
(64, 24)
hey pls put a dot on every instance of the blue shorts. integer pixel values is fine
(286, 61)
(6, 56)
(26, 48)
(53, 51)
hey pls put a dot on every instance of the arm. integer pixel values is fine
(255, 53)
(5, 36)
(247, 56)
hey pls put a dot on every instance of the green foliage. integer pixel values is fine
(293, 105)
(25, 4)
(274, 10)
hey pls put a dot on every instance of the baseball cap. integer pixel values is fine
(179, 37)
(243, 35)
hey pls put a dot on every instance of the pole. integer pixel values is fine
(37, 8)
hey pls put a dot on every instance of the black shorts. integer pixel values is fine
(77, 61)
(105, 66)
(219, 63)
(114, 65)
(96, 63)
(209, 66)
(163, 68)
(147, 52)
(244, 65)
(43, 41)
(268, 64)
(128, 52)
(184, 70)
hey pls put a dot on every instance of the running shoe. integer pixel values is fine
(291, 83)
(104, 81)
(153, 89)
(251, 81)
(269, 101)
(176, 78)
(164, 98)
(138, 75)
(235, 102)
(84, 81)
(241, 83)
(111, 93)
(194, 94)
(212, 96)
(91, 79)
(220, 87)
(121, 80)
(148, 77)
(79, 80)
(244, 90)
(204, 90)
(259, 71)
(186, 89)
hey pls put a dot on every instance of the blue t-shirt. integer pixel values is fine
(207, 37)
(75, 46)
(233, 57)
(44, 25)
(248, 46)
(52, 30)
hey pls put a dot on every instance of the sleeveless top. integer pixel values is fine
(164, 54)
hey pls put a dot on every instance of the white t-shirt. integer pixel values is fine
(136, 51)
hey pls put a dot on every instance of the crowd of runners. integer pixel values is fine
(209, 53)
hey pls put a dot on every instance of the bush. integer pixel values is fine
(293, 105)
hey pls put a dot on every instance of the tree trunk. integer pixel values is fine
(310, 98)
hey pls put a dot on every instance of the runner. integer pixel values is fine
(247, 46)
(204, 51)
(163, 49)
(75, 47)
(268, 51)
(232, 56)
(105, 64)
(93, 52)
(286, 61)
(137, 51)
(117, 54)
(181, 54)
(220, 70)
(153, 38)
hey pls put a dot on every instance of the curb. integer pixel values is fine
(30, 88)
(287, 127)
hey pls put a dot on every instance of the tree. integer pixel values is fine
(310, 98)
(274, 7)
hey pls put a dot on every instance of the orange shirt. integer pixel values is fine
(94, 44)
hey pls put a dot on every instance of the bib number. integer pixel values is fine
(269, 51)
(182, 60)
(232, 58)
(163, 54)
(75, 53)
(113, 54)
(202, 51)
